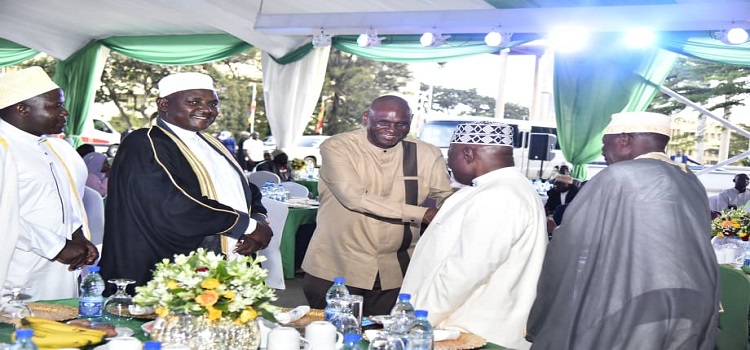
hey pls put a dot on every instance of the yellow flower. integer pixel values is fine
(742, 234)
(248, 314)
(208, 298)
(229, 295)
(210, 283)
(172, 284)
(162, 311)
(735, 224)
(719, 234)
(213, 314)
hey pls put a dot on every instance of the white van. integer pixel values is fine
(102, 135)
(438, 131)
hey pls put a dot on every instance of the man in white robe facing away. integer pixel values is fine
(52, 236)
(476, 266)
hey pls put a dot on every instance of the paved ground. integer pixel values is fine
(292, 296)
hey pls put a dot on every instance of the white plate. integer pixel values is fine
(122, 332)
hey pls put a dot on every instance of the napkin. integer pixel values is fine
(140, 310)
(292, 315)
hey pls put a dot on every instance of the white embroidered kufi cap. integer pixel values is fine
(633, 122)
(184, 81)
(24, 84)
(483, 133)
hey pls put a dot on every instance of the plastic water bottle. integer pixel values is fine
(344, 320)
(152, 345)
(747, 258)
(90, 301)
(351, 341)
(420, 332)
(334, 296)
(403, 312)
(23, 340)
(281, 192)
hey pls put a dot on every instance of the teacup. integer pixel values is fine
(283, 338)
(322, 335)
(124, 343)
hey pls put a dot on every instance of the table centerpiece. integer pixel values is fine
(208, 302)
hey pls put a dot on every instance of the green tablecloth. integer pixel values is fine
(297, 217)
(135, 324)
(311, 185)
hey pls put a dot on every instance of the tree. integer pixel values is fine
(351, 83)
(469, 102)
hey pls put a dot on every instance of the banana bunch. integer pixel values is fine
(52, 334)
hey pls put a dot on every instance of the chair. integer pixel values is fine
(735, 300)
(295, 189)
(259, 178)
(93, 203)
(277, 213)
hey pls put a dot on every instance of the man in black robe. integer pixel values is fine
(173, 189)
(631, 266)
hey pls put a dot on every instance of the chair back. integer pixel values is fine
(259, 178)
(735, 301)
(93, 203)
(277, 213)
(295, 189)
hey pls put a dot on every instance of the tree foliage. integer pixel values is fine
(351, 83)
(470, 103)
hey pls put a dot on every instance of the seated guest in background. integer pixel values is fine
(85, 149)
(49, 178)
(631, 266)
(98, 167)
(279, 165)
(562, 193)
(681, 158)
(736, 196)
(173, 189)
(476, 267)
(227, 140)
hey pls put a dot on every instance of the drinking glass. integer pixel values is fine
(116, 307)
(387, 339)
(15, 309)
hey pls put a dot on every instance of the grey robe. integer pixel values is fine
(631, 267)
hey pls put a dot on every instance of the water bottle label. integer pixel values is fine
(90, 307)
(329, 314)
(747, 261)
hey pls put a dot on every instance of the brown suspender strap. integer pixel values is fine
(411, 191)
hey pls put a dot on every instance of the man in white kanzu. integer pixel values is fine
(477, 265)
(52, 235)
(8, 207)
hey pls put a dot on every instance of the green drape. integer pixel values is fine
(592, 85)
(177, 49)
(701, 45)
(655, 67)
(77, 77)
(295, 55)
(12, 54)
(406, 48)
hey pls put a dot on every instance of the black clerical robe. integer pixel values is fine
(631, 266)
(155, 207)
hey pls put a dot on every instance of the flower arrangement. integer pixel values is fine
(732, 223)
(297, 164)
(206, 284)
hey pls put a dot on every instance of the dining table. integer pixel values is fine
(134, 324)
(297, 218)
(311, 184)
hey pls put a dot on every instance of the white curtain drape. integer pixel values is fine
(291, 92)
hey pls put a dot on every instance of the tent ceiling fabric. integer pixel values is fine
(60, 28)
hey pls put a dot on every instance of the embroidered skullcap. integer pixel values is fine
(24, 84)
(632, 122)
(184, 81)
(483, 133)
(566, 179)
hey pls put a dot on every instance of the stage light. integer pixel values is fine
(735, 36)
(640, 37)
(496, 39)
(568, 39)
(321, 40)
(369, 39)
(433, 39)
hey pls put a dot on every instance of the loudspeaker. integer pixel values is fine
(541, 146)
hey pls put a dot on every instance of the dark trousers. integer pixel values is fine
(376, 300)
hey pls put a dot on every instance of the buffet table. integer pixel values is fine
(311, 185)
(297, 217)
